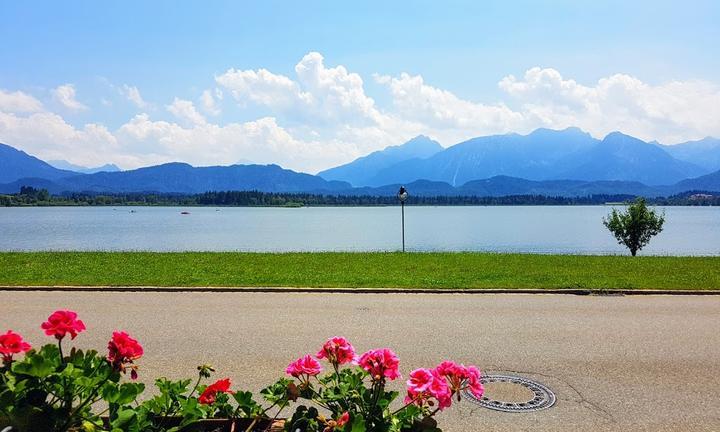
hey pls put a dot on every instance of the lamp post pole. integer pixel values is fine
(402, 207)
(402, 196)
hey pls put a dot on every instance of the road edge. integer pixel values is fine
(348, 290)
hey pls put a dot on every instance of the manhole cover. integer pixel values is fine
(513, 394)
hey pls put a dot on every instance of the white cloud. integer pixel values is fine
(262, 141)
(670, 112)
(18, 102)
(442, 110)
(320, 94)
(49, 136)
(208, 102)
(185, 111)
(65, 95)
(133, 95)
(262, 87)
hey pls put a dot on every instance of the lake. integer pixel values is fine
(537, 229)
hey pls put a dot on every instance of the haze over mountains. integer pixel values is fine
(65, 165)
(567, 162)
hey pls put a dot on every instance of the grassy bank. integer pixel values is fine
(415, 270)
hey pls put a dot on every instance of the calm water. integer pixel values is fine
(688, 230)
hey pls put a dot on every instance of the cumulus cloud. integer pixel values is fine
(92, 144)
(185, 111)
(262, 141)
(670, 112)
(133, 95)
(209, 103)
(65, 95)
(440, 109)
(320, 94)
(18, 102)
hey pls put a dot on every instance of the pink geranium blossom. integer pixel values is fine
(460, 378)
(420, 380)
(337, 350)
(12, 343)
(426, 384)
(305, 366)
(381, 363)
(62, 322)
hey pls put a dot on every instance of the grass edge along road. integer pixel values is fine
(359, 270)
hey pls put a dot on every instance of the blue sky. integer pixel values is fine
(130, 82)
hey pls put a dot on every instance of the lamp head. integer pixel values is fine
(402, 194)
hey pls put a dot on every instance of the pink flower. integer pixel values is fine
(304, 366)
(474, 384)
(12, 343)
(425, 384)
(337, 350)
(460, 378)
(342, 421)
(439, 390)
(220, 386)
(123, 351)
(420, 380)
(62, 322)
(380, 363)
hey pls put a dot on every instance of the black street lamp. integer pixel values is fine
(402, 196)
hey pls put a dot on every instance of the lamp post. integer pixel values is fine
(402, 196)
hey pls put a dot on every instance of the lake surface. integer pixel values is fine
(538, 229)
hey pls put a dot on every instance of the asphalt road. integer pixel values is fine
(645, 363)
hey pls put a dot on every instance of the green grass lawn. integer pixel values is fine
(383, 270)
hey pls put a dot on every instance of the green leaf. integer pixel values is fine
(35, 366)
(358, 423)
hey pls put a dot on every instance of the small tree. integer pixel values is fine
(636, 226)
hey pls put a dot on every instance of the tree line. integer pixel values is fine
(29, 196)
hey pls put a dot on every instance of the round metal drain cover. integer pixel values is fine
(513, 394)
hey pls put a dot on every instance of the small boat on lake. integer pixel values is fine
(184, 212)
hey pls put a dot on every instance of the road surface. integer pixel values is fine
(640, 363)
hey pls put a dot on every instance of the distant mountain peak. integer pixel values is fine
(16, 164)
(617, 135)
(361, 170)
(65, 165)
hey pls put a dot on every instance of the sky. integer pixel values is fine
(310, 85)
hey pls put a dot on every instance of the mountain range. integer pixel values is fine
(566, 162)
(65, 165)
(569, 154)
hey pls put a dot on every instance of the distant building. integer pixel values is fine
(700, 196)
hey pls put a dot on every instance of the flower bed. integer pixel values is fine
(56, 389)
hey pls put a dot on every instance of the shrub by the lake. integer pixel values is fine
(60, 390)
(634, 227)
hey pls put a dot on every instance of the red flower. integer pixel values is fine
(61, 323)
(220, 386)
(343, 419)
(12, 343)
(123, 351)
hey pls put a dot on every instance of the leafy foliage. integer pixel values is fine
(636, 226)
(48, 392)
